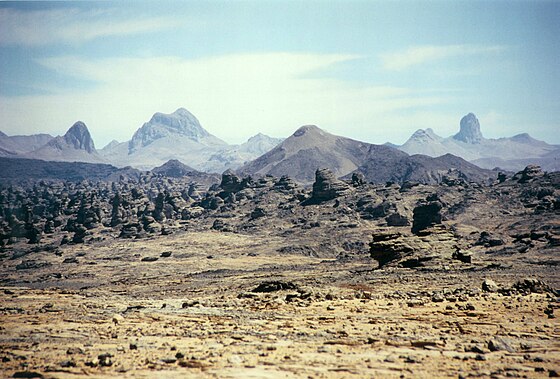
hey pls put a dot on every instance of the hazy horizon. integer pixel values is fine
(372, 71)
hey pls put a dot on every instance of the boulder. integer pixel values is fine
(528, 173)
(327, 186)
(426, 215)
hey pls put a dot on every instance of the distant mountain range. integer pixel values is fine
(179, 135)
(177, 145)
(512, 153)
(75, 146)
(310, 148)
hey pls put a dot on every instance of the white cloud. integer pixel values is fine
(417, 55)
(234, 97)
(71, 25)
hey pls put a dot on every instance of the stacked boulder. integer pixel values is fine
(327, 186)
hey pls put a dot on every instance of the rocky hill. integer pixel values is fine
(176, 169)
(310, 148)
(512, 153)
(75, 146)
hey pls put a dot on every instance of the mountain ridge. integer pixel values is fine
(508, 153)
(310, 148)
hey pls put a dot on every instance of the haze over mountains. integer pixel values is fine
(179, 135)
(176, 144)
(512, 153)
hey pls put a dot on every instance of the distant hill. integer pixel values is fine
(75, 146)
(13, 170)
(176, 169)
(14, 145)
(235, 156)
(512, 153)
(310, 148)
(422, 169)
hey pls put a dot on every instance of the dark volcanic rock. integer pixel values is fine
(396, 219)
(327, 187)
(130, 230)
(231, 182)
(387, 247)
(80, 233)
(531, 285)
(272, 286)
(221, 226)
(426, 215)
(529, 173)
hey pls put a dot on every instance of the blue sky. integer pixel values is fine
(371, 70)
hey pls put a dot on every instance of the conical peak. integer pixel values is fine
(307, 129)
(78, 136)
(469, 131)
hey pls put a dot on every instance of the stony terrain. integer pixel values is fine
(260, 277)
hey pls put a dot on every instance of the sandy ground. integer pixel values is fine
(111, 314)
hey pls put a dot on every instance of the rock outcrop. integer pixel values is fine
(327, 186)
(469, 131)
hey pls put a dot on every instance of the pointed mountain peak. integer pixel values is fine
(425, 134)
(262, 138)
(111, 144)
(181, 122)
(78, 136)
(469, 131)
(182, 112)
(309, 130)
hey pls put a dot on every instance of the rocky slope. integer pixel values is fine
(512, 153)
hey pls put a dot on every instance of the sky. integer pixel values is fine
(375, 71)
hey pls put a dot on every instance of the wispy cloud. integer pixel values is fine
(418, 55)
(234, 96)
(71, 25)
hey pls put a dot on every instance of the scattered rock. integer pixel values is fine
(27, 374)
(105, 359)
(500, 344)
(489, 285)
(149, 259)
(276, 285)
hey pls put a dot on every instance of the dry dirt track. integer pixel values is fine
(193, 314)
